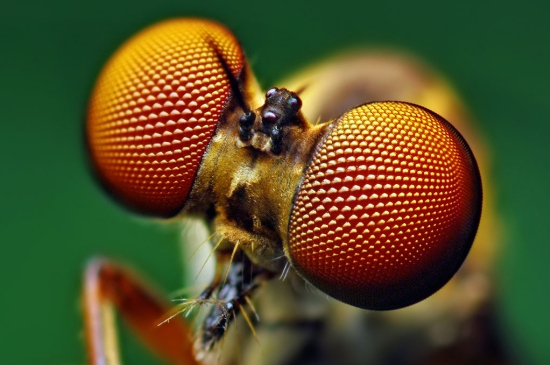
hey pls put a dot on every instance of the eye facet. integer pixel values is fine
(155, 108)
(388, 208)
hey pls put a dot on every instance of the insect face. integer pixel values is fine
(251, 181)
(377, 209)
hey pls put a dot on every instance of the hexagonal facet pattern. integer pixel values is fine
(155, 108)
(388, 208)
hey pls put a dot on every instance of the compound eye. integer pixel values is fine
(388, 208)
(155, 108)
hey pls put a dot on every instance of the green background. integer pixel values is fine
(53, 217)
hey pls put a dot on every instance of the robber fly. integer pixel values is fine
(374, 204)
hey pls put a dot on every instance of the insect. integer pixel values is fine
(376, 208)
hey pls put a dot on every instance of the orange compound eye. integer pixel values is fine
(155, 108)
(388, 208)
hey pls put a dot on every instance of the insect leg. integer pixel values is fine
(109, 286)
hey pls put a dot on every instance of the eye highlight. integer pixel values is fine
(388, 208)
(155, 108)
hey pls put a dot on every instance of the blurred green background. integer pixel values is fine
(53, 217)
